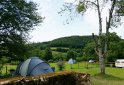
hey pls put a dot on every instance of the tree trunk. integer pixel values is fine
(100, 51)
(101, 62)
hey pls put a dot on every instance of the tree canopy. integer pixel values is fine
(47, 54)
(17, 18)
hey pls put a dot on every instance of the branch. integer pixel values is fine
(92, 3)
(100, 19)
(94, 39)
(96, 48)
(110, 14)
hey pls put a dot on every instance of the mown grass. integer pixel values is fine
(7, 68)
(106, 80)
(114, 76)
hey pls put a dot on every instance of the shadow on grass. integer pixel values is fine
(107, 77)
(5, 76)
(82, 67)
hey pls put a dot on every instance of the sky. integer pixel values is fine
(54, 25)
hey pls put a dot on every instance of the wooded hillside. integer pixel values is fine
(69, 42)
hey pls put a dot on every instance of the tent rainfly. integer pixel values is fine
(32, 67)
(71, 61)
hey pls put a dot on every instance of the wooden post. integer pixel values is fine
(78, 65)
(6, 70)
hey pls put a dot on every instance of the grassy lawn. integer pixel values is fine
(114, 76)
(8, 67)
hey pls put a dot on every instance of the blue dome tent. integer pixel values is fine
(32, 67)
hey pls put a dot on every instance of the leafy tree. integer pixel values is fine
(90, 52)
(59, 56)
(116, 51)
(17, 51)
(47, 54)
(115, 43)
(71, 54)
(113, 37)
(35, 52)
(17, 18)
(115, 12)
(79, 59)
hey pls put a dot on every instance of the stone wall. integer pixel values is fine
(56, 78)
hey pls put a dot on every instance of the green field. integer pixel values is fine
(114, 76)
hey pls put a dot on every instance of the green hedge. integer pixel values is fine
(57, 78)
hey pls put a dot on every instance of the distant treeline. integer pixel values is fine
(67, 42)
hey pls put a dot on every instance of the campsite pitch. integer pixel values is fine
(114, 76)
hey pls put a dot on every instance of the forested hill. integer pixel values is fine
(72, 41)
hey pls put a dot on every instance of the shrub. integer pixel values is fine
(61, 65)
